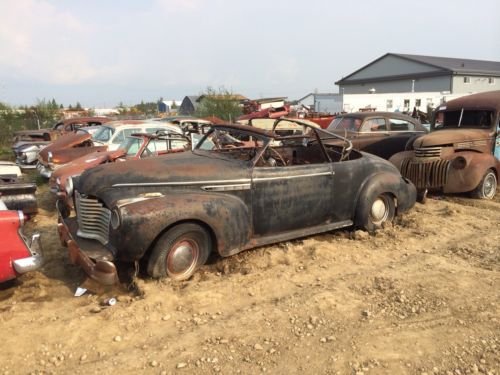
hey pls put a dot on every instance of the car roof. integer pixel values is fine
(139, 123)
(84, 119)
(363, 115)
(490, 99)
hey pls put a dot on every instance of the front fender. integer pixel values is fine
(468, 178)
(403, 190)
(227, 217)
(397, 159)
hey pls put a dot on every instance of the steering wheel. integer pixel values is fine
(281, 159)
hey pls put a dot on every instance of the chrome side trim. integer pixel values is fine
(184, 183)
(292, 177)
(226, 187)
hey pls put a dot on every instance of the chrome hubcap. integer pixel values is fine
(182, 258)
(490, 185)
(380, 210)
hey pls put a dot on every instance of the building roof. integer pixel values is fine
(442, 65)
(318, 94)
(270, 100)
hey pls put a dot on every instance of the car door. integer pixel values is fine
(401, 131)
(373, 136)
(286, 198)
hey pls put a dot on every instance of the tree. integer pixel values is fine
(78, 106)
(220, 103)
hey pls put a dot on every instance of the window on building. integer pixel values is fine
(418, 102)
(466, 79)
(389, 104)
(406, 103)
(491, 80)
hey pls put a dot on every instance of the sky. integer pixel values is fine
(103, 52)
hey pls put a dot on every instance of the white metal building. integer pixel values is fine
(402, 82)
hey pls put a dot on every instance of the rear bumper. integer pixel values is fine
(95, 259)
(32, 262)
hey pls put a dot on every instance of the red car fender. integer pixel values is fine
(12, 246)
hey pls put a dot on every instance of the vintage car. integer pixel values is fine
(28, 143)
(16, 191)
(137, 146)
(380, 133)
(462, 151)
(108, 138)
(18, 254)
(239, 188)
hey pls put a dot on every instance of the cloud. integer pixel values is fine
(43, 43)
(178, 6)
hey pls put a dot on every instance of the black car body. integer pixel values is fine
(240, 188)
(380, 133)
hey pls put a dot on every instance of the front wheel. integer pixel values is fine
(179, 252)
(379, 209)
(487, 188)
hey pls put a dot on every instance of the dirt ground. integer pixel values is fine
(419, 297)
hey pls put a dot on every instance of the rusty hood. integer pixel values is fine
(64, 142)
(448, 137)
(77, 166)
(158, 173)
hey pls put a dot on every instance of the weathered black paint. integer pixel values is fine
(265, 205)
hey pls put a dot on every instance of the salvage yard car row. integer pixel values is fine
(166, 194)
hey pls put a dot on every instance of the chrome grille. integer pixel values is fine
(428, 152)
(93, 218)
(424, 175)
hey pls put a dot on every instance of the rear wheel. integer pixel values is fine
(487, 188)
(179, 252)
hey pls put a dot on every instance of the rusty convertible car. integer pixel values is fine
(462, 151)
(239, 188)
(380, 133)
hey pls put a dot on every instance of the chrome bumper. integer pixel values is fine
(95, 259)
(43, 170)
(34, 261)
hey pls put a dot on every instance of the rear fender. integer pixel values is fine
(226, 216)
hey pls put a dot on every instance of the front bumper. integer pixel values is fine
(34, 261)
(44, 171)
(23, 165)
(95, 259)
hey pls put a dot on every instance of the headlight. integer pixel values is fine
(49, 157)
(115, 218)
(69, 186)
(459, 162)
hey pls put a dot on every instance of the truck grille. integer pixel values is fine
(428, 152)
(429, 174)
(93, 218)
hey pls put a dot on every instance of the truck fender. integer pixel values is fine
(467, 178)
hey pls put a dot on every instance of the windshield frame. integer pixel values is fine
(459, 125)
(197, 150)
